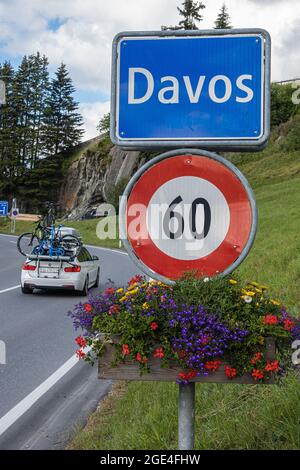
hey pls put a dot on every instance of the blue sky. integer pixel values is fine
(80, 33)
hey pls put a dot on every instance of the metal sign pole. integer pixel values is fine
(186, 416)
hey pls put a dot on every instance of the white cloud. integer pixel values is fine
(92, 113)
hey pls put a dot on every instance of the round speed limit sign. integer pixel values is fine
(188, 211)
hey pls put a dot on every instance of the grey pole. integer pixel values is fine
(186, 416)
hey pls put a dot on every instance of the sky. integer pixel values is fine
(80, 32)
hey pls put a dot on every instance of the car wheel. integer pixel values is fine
(97, 282)
(85, 289)
(27, 290)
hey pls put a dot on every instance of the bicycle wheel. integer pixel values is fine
(70, 243)
(27, 242)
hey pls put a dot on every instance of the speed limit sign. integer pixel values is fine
(188, 211)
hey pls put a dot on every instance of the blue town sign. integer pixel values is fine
(3, 208)
(207, 89)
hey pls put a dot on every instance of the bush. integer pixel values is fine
(282, 106)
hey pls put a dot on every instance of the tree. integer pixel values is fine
(104, 125)
(223, 19)
(191, 15)
(9, 161)
(62, 122)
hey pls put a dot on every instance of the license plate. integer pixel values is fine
(48, 270)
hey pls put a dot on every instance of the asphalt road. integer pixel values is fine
(39, 341)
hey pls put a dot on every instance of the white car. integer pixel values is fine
(74, 273)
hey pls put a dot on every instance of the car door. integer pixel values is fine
(91, 266)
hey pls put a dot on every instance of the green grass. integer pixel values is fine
(87, 229)
(143, 415)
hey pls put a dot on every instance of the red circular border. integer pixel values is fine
(232, 189)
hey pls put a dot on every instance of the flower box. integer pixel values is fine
(129, 370)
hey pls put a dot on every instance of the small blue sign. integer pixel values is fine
(208, 88)
(3, 208)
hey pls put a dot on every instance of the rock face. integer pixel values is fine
(89, 178)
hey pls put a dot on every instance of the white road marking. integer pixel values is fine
(10, 288)
(24, 405)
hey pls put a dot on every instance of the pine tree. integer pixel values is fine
(191, 14)
(9, 162)
(223, 19)
(39, 89)
(62, 123)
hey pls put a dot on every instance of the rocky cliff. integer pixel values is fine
(93, 172)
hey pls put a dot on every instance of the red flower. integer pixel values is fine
(270, 320)
(80, 341)
(187, 376)
(212, 366)
(159, 353)
(257, 374)
(288, 324)
(135, 279)
(109, 291)
(257, 357)
(230, 372)
(154, 326)
(125, 350)
(272, 366)
(141, 359)
(88, 308)
(182, 376)
(191, 375)
(113, 309)
(80, 354)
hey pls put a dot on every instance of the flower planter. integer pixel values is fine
(129, 370)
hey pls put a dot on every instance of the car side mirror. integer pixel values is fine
(95, 258)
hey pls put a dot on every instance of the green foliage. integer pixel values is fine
(104, 125)
(223, 19)
(291, 142)
(191, 15)
(39, 119)
(282, 106)
(62, 121)
(114, 193)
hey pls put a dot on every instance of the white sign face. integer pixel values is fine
(188, 218)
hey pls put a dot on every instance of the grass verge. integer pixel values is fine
(87, 229)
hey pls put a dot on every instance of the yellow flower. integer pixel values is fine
(145, 306)
(274, 302)
(259, 291)
(264, 287)
(232, 281)
(132, 292)
(122, 299)
(249, 292)
(119, 291)
(255, 284)
(132, 286)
